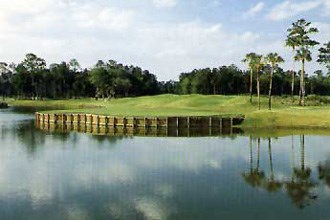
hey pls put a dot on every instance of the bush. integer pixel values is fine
(316, 100)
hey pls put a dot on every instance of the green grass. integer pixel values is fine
(282, 115)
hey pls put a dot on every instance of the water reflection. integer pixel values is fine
(301, 185)
(255, 177)
(86, 176)
(300, 188)
(324, 172)
(118, 131)
(272, 184)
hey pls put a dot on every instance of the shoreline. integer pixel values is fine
(147, 121)
(283, 116)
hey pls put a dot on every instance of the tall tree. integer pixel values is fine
(299, 34)
(273, 59)
(259, 63)
(74, 65)
(324, 56)
(35, 66)
(292, 43)
(250, 60)
(3, 78)
(99, 77)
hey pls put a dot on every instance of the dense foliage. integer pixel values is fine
(32, 79)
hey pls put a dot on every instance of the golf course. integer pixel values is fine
(283, 115)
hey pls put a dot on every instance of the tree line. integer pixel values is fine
(264, 71)
(33, 79)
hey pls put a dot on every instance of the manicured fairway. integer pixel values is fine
(282, 115)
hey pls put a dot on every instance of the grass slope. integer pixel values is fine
(282, 115)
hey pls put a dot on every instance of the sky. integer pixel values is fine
(167, 37)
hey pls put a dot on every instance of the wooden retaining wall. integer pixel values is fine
(220, 122)
(138, 131)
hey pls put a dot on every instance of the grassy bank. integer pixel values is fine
(282, 115)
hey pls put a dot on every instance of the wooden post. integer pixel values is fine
(156, 123)
(106, 122)
(220, 124)
(210, 121)
(124, 122)
(188, 123)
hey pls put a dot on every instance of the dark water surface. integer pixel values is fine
(80, 176)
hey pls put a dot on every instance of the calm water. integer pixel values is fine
(80, 176)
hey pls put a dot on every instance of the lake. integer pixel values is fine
(80, 176)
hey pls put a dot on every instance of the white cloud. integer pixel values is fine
(326, 10)
(254, 10)
(177, 48)
(52, 14)
(151, 209)
(216, 3)
(164, 3)
(289, 9)
(88, 31)
(324, 32)
(91, 16)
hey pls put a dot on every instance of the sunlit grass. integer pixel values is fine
(283, 115)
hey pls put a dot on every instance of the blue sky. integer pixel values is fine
(166, 37)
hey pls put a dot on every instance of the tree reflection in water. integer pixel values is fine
(254, 177)
(272, 185)
(299, 188)
(324, 172)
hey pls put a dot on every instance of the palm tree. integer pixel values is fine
(259, 63)
(273, 59)
(292, 43)
(302, 55)
(299, 37)
(250, 59)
